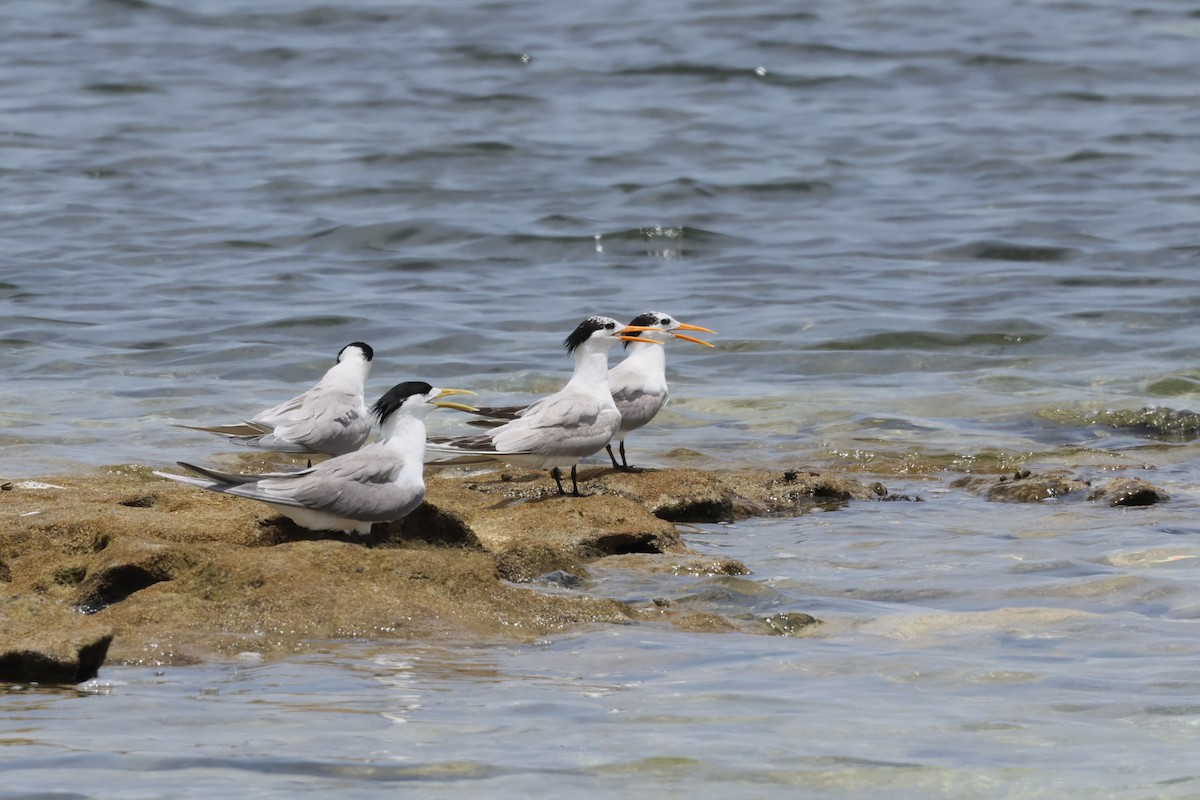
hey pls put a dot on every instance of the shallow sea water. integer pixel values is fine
(934, 238)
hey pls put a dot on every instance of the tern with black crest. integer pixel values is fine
(638, 384)
(557, 430)
(330, 418)
(381, 482)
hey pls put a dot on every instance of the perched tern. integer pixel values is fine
(557, 430)
(638, 384)
(330, 418)
(381, 482)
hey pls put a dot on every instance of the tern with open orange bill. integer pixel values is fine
(638, 384)
(557, 430)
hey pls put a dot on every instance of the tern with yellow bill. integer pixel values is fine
(557, 430)
(381, 482)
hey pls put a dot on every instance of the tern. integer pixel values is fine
(381, 482)
(557, 430)
(638, 384)
(330, 418)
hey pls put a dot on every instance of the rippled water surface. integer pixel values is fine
(933, 236)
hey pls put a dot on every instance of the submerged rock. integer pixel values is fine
(1129, 492)
(1022, 486)
(1156, 422)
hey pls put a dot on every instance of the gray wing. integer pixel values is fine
(638, 406)
(560, 424)
(361, 485)
(323, 418)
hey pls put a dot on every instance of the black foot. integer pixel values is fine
(608, 447)
(556, 473)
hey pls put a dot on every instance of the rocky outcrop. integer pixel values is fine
(168, 574)
(1024, 486)
(165, 573)
(42, 641)
(1129, 492)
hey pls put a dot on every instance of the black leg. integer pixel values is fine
(574, 481)
(556, 473)
(608, 447)
(624, 463)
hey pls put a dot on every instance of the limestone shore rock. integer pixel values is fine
(127, 565)
(144, 570)
(47, 642)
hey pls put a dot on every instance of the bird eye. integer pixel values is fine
(665, 321)
(610, 326)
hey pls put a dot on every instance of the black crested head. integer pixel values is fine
(585, 330)
(368, 353)
(647, 319)
(394, 397)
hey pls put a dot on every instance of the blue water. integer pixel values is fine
(934, 237)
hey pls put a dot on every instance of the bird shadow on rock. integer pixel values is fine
(428, 525)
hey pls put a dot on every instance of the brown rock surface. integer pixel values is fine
(1022, 486)
(171, 574)
(46, 642)
(1129, 492)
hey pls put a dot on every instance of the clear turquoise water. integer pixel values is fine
(934, 237)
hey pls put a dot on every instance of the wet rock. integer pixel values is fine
(677, 564)
(560, 579)
(1153, 421)
(700, 622)
(789, 623)
(193, 573)
(1022, 486)
(1128, 492)
(42, 641)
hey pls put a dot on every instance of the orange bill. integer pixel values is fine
(621, 334)
(685, 327)
(691, 338)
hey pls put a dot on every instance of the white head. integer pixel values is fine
(359, 353)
